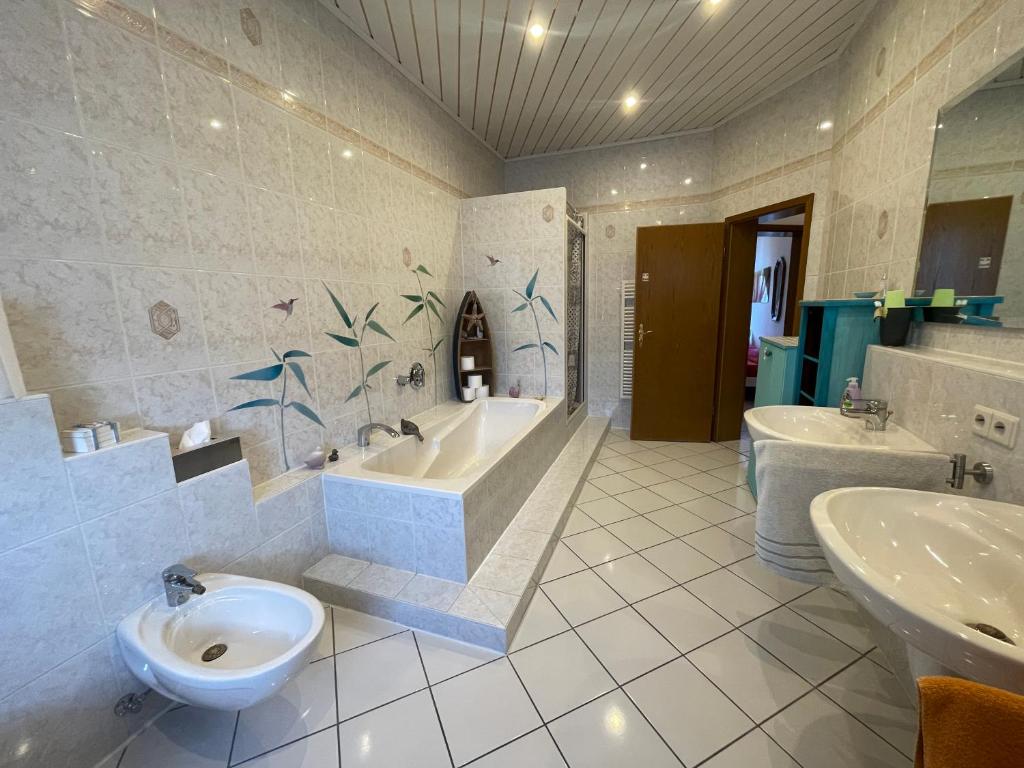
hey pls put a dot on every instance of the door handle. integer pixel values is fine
(640, 333)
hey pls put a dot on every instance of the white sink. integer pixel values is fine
(926, 565)
(811, 424)
(269, 630)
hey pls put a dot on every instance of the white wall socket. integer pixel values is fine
(1004, 429)
(982, 424)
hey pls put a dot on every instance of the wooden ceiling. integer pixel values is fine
(691, 64)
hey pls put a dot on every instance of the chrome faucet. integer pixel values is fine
(180, 584)
(875, 413)
(363, 436)
(411, 428)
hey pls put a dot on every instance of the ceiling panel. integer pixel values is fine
(692, 64)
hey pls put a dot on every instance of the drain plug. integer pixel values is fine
(988, 629)
(214, 652)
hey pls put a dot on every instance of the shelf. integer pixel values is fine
(473, 338)
(811, 358)
(809, 397)
(474, 370)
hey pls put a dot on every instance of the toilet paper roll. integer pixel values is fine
(484, 391)
(469, 393)
(475, 381)
(467, 363)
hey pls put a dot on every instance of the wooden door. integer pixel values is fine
(678, 290)
(962, 246)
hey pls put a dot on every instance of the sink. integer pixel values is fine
(255, 634)
(926, 565)
(812, 424)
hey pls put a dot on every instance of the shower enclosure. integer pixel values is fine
(575, 293)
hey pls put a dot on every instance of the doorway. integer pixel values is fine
(962, 246)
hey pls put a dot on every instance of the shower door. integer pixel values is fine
(575, 368)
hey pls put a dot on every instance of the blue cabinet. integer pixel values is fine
(776, 371)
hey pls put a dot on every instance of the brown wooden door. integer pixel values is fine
(962, 246)
(678, 288)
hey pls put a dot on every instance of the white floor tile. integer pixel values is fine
(560, 674)
(404, 732)
(683, 619)
(610, 733)
(720, 457)
(694, 717)
(634, 578)
(647, 457)
(444, 657)
(731, 596)
(578, 522)
(720, 546)
(676, 469)
(599, 470)
(874, 696)
(818, 734)
(483, 709)
(541, 621)
(707, 483)
(741, 527)
(677, 450)
(676, 491)
(713, 510)
(352, 629)
(680, 561)
(607, 510)
(811, 651)
(378, 673)
(620, 463)
(582, 597)
(735, 474)
(305, 705)
(563, 562)
(755, 750)
(589, 492)
(835, 613)
(739, 497)
(596, 546)
(639, 532)
(757, 682)
(647, 475)
(187, 737)
(626, 447)
(643, 501)
(677, 521)
(325, 643)
(317, 751)
(534, 750)
(626, 644)
(613, 484)
(779, 587)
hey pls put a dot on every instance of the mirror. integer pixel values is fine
(973, 234)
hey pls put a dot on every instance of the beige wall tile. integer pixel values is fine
(231, 316)
(172, 402)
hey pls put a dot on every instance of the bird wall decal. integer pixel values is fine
(493, 261)
(287, 306)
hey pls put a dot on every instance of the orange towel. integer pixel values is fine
(968, 725)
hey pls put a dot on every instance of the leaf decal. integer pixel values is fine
(433, 309)
(341, 309)
(532, 284)
(436, 298)
(521, 307)
(416, 311)
(412, 297)
(547, 306)
(525, 346)
(277, 356)
(354, 393)
(269, 373)
(437, 344)
(424, 270)
(378, 367)
(300, 375)
(370, 312)
(295, 353)
(348, 341)
(373, 325)
(550, 346)
(306, 411)
(255, 404)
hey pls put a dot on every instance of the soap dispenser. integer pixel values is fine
(852, 391)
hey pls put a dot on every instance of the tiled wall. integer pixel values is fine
(155, 154)
(525, 232)
(82, 542)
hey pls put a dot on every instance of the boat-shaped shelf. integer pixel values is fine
(472, 339)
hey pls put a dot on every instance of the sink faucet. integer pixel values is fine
(410, 428)
(363, 437)
(180, 584)
(875, 413)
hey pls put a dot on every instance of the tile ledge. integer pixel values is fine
(130, 437)
(989, 365)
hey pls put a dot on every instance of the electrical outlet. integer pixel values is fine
(1003, 429)
(982, 424)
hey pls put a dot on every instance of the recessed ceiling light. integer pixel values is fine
(643, 166)
(615, 191)
(537, 31)
(630, 101)
(216, 124)
(688, 180)
(825, 125)
(346, 153)
(714, 2)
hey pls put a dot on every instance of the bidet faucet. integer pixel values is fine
(875, 413)
(180, 584)
(363, 436)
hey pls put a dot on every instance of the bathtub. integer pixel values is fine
(438, 506)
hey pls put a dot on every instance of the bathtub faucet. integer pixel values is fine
(363, 437)
(410, 428)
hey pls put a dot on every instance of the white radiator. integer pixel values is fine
(628, 308)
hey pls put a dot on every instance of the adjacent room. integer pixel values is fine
(511, 383)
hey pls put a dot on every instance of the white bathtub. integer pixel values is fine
(438, 506)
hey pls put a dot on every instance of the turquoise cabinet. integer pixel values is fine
(776, 371)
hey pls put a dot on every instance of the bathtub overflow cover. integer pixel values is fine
(988, 629)
(214, 652)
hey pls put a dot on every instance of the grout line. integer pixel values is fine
(536, 709)
(433, 701)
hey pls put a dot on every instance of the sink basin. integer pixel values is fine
(928, 564)
(811, 424)
(268, 630)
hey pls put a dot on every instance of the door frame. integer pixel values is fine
(734, 314)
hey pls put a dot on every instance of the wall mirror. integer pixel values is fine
(973, 235)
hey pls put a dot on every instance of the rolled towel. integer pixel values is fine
(790, 474)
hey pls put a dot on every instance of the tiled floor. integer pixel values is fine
(655, 639)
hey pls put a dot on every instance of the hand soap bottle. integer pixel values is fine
(852, 391)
